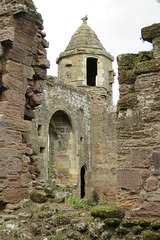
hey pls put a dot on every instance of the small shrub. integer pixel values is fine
(76, 201)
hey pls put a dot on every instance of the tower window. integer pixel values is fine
(91, 71)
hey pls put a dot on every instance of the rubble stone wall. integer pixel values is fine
(138, 156)
(23, 66)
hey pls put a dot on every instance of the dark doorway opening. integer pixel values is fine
(91, 71)
(83, 183)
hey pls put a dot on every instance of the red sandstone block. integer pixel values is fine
(19, 124)
(25, 40)
(14, 166)
(26, 160)
(20, 55)
(22, 149)
(14, 181)
(3, 166)
(10, 109)
(19, 69)
(140, 157)
(156, 163)
(24, 193)
(3, 181)
(12, 195)
(12, 96)
(38, 86)
(13, 136)
(147, 209)
(128, 179)
(40, 73)
(15, 83)
(43, 62)
(25, 25)
(151, 184)
(10, 150)
(35, 100)
(25, 180)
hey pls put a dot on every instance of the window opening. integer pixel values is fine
(83, 183)
(39, 130)
(91, 71)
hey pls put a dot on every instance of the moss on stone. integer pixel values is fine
(156, 41)
(130, 222)
(147, 66)
(151, 32)
(127, 61)
(38, 196)
(114, 222)
(104, 212)
(150, 235)
(155, 224)
(145, 56)
(122, 230)
(144, 223)
(137, 230)
(127, 102)
(127, 76)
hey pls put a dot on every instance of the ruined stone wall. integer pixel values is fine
(23, 66)
(91, 140)
(103, 143)
(138, 156)
(64, 99)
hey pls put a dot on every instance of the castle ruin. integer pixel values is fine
(65, 129)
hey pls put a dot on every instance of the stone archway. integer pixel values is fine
(62, 157)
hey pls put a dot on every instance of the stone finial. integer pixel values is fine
(84, 19)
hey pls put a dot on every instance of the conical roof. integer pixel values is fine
(84, 40)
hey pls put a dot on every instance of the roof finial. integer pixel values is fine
(84, 19)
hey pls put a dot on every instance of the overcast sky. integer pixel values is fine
(117, 24)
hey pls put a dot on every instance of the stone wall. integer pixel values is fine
(90, 138)
(138, 160)
(23, 66)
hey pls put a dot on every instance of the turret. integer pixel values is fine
(85, 61)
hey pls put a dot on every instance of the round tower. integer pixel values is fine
(85, 62)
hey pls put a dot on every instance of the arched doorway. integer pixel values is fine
(60, 148)
(83, 181)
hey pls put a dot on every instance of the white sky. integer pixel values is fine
(117, 24)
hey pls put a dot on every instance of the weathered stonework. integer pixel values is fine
(21, 53)
(67, 154)
(138, 129)
(64, 129)
(73, 132)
